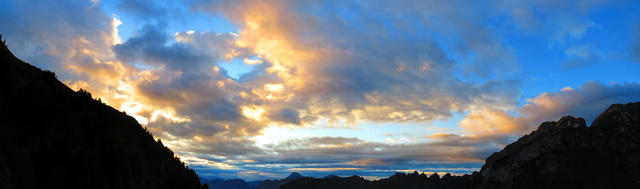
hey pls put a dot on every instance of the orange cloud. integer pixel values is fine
(490, 122)
(367, 162)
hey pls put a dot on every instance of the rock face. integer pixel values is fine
(54, 137)
(568, 154)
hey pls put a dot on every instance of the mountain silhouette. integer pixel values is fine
(242, 184)
(329, 176)
(413, 180)
(562, 154)
(568, 154)
(228, 184)
(274, 184)
(54, 137)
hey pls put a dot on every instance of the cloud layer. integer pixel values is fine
(326, 80)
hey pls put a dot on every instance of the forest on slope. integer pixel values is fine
(54, 137)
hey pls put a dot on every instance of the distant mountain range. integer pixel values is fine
(54, 137)
(241, 184)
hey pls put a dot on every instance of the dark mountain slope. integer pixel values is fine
(53, 137)
(562, 154)
(567, 154)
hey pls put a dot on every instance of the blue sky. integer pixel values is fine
(255, 90)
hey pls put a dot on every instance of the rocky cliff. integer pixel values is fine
(568, 154)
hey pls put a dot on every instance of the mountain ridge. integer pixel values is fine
(54, 137)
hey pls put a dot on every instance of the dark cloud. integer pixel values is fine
(588, 101)
(187, 79)
(151, 48)
(286, 115)
(635, 45)
(47, 33)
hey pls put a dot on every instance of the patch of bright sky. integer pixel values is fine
(543, 69)
(236, 68)
(196, 21)
(200, 22)
(382, 132)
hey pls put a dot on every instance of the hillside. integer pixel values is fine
(54, 137)
(568, 154)
(562, 154)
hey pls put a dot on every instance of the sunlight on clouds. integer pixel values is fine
(489, 122)
(273, 134)
(278, 137)
(253, 112)
(325, 169)
(273, 87)
(205, 162)
(367, 162)
(115, 22)
(272, 92)
(169, 114)
(132, 109)
(567, 89)
(252, 61)
(271, 42)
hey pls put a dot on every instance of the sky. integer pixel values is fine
(257, 89)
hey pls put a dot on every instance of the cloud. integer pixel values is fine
(150, 48)
(588, 102)
(582, 55)
(341, 70)
(55, 37)
(635, 44)
(339, 155)
(287, 115)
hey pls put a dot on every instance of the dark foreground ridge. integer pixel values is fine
(54, 137)
(562, 154)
